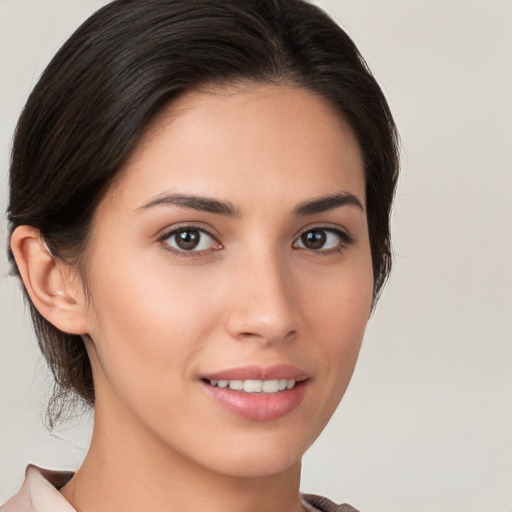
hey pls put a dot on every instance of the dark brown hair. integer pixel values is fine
(132, 57)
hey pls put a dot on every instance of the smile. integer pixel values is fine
(258, 393)
(255, 386)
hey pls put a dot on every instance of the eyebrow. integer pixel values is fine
(202, 203)
(211, 205)
(324, 204)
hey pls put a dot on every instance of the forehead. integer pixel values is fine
(239, 141)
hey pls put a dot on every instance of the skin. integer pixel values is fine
(254, 294)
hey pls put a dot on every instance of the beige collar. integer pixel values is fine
(39, 492)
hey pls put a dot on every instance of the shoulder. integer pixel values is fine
(39, 492)
(313, 503)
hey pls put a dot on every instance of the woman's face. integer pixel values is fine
(232, 253)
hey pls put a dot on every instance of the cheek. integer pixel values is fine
(338, 312)
(146, 325)
(339, 301)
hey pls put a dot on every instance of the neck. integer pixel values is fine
(126, 469)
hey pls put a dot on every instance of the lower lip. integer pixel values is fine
(259, 406)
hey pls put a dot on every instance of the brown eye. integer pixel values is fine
(323, 239)
(314, 239)
(189, 240)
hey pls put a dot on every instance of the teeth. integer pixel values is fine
(237, 385)
(255, 386)
(270, 386)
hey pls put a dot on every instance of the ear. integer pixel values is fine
(55, 290)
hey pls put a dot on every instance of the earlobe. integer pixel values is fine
(49, 283)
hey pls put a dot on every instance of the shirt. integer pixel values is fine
(40, 493)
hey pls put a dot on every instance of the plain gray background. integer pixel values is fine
(426, 423)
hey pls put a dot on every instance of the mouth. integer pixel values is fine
(258, 394)
(254, 385)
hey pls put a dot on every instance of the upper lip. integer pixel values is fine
(254, 372)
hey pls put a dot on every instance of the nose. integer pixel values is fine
(263, 304)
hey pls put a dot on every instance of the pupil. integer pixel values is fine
(314, 239)
(187, 239)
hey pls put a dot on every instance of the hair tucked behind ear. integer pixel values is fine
(97, 96)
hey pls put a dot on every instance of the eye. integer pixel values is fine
(189, 240)
(322, 239)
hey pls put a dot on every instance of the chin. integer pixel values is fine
(258, 465)
(257, 457)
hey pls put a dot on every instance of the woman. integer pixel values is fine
(199, 213)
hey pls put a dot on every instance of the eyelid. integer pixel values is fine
(183, 226)
(345, 238)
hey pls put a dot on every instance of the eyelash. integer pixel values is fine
(183, 229)
(344, 240)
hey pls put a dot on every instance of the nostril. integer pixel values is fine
(263, 308)
(267, 336)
